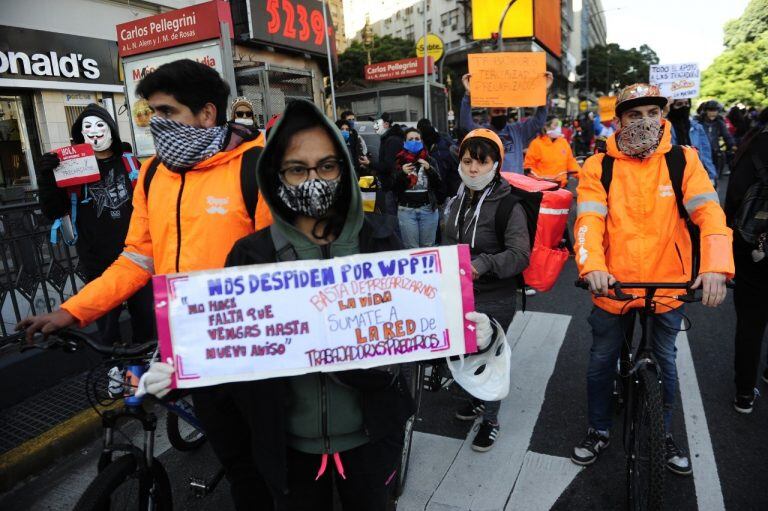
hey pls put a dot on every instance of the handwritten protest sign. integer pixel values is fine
(264, 321)
(508, 79)
(77, 166)
(606, 107)
(676, 81)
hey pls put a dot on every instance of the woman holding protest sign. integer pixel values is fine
(488, 217)
(308, 433)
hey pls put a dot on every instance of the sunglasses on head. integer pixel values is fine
(244, 114)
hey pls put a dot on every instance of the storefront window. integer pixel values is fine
(18, 141)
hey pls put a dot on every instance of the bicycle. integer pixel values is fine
(117, 476)
(639, 393)
(420, 376)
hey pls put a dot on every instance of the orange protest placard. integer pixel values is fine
(508, 79)
(606, 107)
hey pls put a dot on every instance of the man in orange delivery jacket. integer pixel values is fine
(550, 156)
(195, 211)
(634, 233)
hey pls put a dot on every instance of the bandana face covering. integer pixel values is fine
(639, 138)
(312, 198)
(478, 183)
(181, 146)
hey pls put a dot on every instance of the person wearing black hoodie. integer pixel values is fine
(103, 213)
(392, 141)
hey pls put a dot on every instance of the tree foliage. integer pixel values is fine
(740, 73)
(354, 59)
(749, 27)
(611, 66)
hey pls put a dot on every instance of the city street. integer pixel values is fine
(541, 420)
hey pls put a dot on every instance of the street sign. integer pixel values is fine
(434, 47)
(398, 69)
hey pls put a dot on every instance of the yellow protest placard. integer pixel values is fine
(606, 107)
(508, 79)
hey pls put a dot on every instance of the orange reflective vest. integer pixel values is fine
(635, 233)
(189, 222)
(548, 158)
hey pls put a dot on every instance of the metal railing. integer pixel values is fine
(36, 276)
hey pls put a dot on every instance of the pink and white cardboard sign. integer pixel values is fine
(285, 319)
(77, 166)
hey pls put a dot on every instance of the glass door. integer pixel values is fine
(16, 164)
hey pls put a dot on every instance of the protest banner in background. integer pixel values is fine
(508, 79)
(264, 321)
(676, 81)
(606, 107)
(77, 166)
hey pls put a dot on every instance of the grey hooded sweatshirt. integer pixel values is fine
(470, 218)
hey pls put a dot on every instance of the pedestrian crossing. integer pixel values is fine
(445, 474)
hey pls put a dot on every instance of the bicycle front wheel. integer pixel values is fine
(182, 435)
(122, 486)
(646, 463)
(415, 375)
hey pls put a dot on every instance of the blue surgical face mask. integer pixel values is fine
(345, 134)
(414, 146)
(351, 123)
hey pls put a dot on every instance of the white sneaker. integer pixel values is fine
(115, 379)
(529, 291)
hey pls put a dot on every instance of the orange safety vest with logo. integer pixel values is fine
(635, 232)
(548, 158)
(189, 222)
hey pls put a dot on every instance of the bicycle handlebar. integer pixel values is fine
(620, 295)
(70, 339)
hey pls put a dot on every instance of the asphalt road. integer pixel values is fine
(730, 459)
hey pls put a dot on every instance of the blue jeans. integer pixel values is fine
(418, 226)
(608, 333)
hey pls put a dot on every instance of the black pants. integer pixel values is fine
(229, 413)
(141, 307)
(502, 310)
(751, 300)
(370, 474)
(224, 413)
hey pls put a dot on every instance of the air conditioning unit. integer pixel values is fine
(454, 27)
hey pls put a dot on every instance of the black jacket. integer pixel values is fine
(391, 143)
(744, 175)
(102, 220)
(386, 403)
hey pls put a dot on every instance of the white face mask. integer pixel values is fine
(555, 133)
(379, 127)
(244, 120)
(97, 133)
(479, 182)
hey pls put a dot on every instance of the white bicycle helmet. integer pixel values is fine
(485, 375)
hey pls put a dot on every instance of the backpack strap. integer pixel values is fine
(503, 212)
(151, 171)
(248, 183)
(607, 176)
(676, 162)
(283, 248)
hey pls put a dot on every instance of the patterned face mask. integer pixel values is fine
(639, 138)
(312, 198)
(181, 146)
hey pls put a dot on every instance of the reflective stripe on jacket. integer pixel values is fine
(636, 233)
(190, 222)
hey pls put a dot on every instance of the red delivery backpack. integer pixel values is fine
(547, 256)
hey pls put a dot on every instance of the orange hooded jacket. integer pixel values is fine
(548, 158)
(636, 233)
(190, 222)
